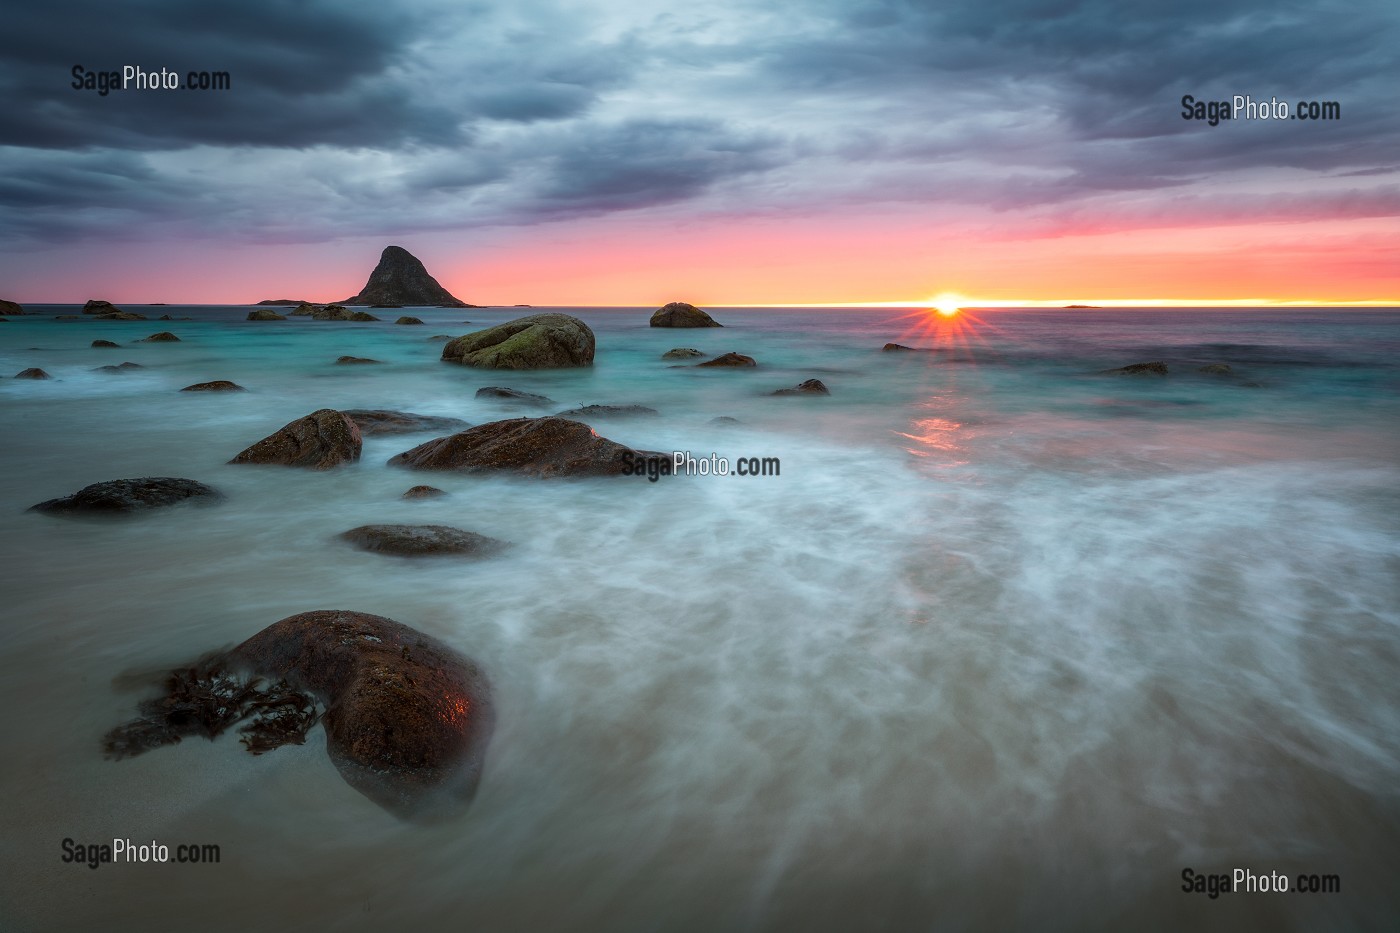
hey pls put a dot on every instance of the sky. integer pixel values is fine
(617, 153)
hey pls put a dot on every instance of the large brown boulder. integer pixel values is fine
(130, 495)
(305, 309)
(407, 718)
(218, 385)
(383, 421)
(542, 447)
(32, 372)
(537, 341)
(681, 314)
(330, 313)
(322, 440)
(264, 314)
(164, 336)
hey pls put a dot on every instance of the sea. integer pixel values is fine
(1002, 640)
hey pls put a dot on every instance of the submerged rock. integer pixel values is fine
(1157, 368)
(218, 385)
(810, 387)
(538, 341)
(130, 495)
(730, 359)
(423, 541)
(263, 314)
(32, 372)
(542, 447)
(121, 316)
(330, 313)
(105, 343)
(610, 411)
(1216, 369)
(323, 439)
(681, 353)
(423, 492)
(383, 421)
(681, 314)
(408, 320)
(407, 718)
(164, 336)
(724, 420)
(400, 279)
(353, 360)
(500, 393)
(363, 317)
(440, 337)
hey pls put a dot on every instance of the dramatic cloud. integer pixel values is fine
(441, 116)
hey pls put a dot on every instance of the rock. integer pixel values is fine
(810, 387)
(408, 320)
(263, 314)
(681, 353)
(98, 306)
(609, 411)
(164, 336)
(400, 279)
(680, 314)
(130, 495)
(352, 360)
(1216, 369)
(724, 420)
(440, 337)
(166, 317)
(538, 341)
(423, 541)
(330, 313)
(407, 718)
(381, 421)
(122, 368)
(503, 394)
(540, 447)
(218, 385)
(423, 492)
(305, 309)
(322, 440)
(363, 317)
(13, 308)
(730, 359)
(1139, 369)
(897, 347)
(120, 316)
(105, 343)
(33, 372)
(386, 306)
(282, 301)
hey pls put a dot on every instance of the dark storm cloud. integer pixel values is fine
(402, 117)
(1111, 71)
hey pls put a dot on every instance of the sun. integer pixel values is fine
(948, 304)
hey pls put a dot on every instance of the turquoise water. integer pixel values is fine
(1009, 642)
